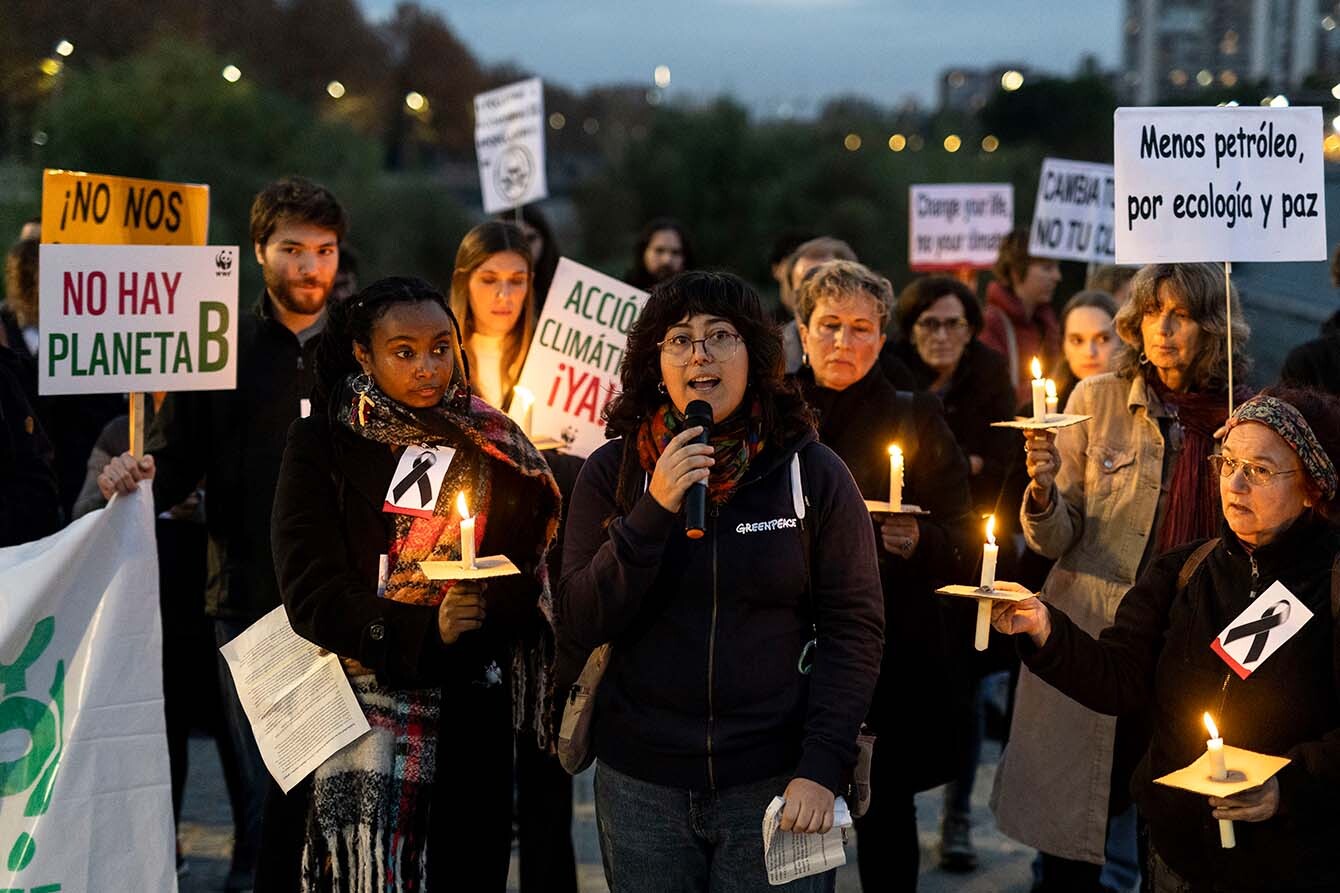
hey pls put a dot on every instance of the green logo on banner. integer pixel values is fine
(42, 723)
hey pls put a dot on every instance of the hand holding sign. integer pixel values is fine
(124, 473)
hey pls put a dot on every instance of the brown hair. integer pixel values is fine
(297, 199)
(1110, 278)
(1200, 288)
(21, 280)
(479, 244)
(1013, 259)
(823, 247)
(920, 294)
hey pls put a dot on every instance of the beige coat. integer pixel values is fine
(1054, 778)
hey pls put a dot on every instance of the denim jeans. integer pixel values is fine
(656, 839)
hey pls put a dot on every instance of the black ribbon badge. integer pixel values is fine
(417, 474)
(1260, 629)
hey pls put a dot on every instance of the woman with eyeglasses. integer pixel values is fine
(1276, 482)
(939, 319)
(743, 660)
(1106, 498)
(842, 308)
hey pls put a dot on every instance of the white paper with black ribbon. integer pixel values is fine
(417, 481)
(1271, 620)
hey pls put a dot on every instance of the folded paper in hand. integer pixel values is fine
(790, 856)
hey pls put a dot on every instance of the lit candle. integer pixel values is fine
(1039, 390)
(467, 533)
(520, 410)
(895, 478)
(989, 552)
(1219, 772)
(1052, 400)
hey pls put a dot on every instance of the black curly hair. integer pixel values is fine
(785, 413)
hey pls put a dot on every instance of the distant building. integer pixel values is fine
(1173, 48)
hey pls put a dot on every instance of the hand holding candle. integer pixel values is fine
(1039, 390)
(1219, 772)
(467, 532)
(895, 478)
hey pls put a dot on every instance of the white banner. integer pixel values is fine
(509, 143)
(1219, 184)
(573, 364)
(119, 318)
(85, 798)
(958, 225)
(1073, 215)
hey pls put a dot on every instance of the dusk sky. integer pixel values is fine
(769, 52)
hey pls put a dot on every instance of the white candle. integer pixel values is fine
(1053, 401)
(521, 408)
(895, 478)
(1039, 390)
(989, 552)
(467, 533)
(983, 635)
(1219, 772)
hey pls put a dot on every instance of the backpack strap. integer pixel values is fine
(1197, 558)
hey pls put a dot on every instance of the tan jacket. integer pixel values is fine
(1054, 778)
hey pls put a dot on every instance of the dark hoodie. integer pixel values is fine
(1316, 364)
(703, 691)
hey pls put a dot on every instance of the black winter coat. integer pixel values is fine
(922, 678)
(235, 441)
(1157, 655)
(703, 691)
(29, 498)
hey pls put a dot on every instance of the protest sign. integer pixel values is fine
(85, 795)
(1219, 184)
(509, 143)
(80, 208)
(959, 225)
(1073, 215)
(142, 318)
(573, 364)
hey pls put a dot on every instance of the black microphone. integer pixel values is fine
(698, 412)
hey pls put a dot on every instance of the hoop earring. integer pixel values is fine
(660, 388)
(362, 383)
(1144, 360)
(804, 358)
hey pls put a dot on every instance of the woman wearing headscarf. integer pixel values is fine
(1170, 653)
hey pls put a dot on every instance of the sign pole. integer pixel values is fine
(137, 423)
(1228, 304)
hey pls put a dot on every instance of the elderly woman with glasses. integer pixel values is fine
(842, 308)
(707, 710)
(1169, 655)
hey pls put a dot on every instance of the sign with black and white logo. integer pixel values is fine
(1253, 636)
(509, 143)
(417, 481)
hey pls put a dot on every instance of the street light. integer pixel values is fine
(232, 74)
(1280, 102)
(952, 143)
(416, 101)
(897, 142)
(51, 67)
(64, 48)
(661, 76)
(851, 142)
(990, 143)
(1011, 80)
(335, 89)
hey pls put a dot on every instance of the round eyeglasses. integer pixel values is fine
(718, 345)
(1256, 475)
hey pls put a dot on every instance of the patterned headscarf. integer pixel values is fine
(1286, 421)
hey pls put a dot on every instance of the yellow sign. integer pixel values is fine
(95, 209)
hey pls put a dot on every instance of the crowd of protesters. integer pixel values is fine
(743, 664)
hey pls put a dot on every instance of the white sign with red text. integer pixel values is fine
(573, 364)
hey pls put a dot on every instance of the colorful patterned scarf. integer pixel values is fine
(368, 818)
(736, 441)
(1286, 421)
